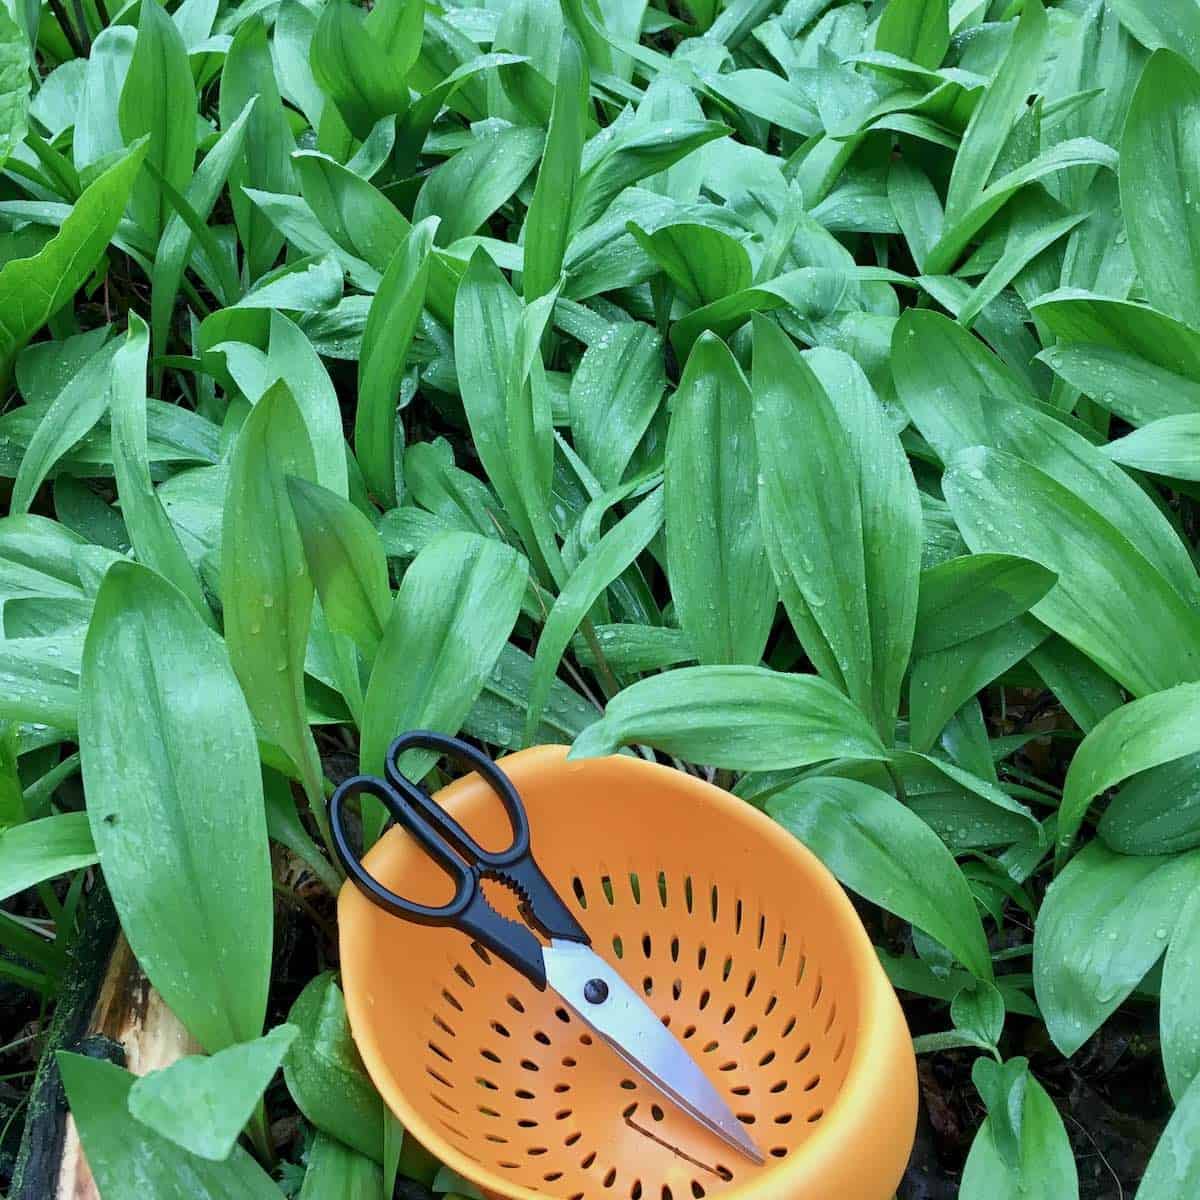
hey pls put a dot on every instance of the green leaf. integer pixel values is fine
(34, 289)
(1034, 1162)
(14, 85)
(39, 682)
(615, 392)
(704, 263)
(35, 851)
(1131, 360)
(1109, 601)
(1174, 1167)
(994, 115)
(742, 718)
(266, 592)
(1160, 184)
(848, 574)
(918, 30)
(336, 1172)
(353, 66)
(325, 1075)
(248, 73)
(69, 418)
(884, 852)
(1179, 1018)
(387, 338)
(346, 562)
(725, 596)
(1145, 733)
(456, 606)
(1104, 923)
(1155, 23)
(965, 597)
(548, 221)
(202, 1104)
(130, 1162)
(468, 188)
(959, 395)
(1168, 446)
(615, 551)
(158, 101)
(170, 764)
(177, 242)
(155, 540)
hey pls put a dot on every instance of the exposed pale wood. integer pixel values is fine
(129, 1011)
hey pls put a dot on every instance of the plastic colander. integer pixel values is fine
(739, 938)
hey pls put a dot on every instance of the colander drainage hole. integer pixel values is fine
(490, 1055)
(464, 974)
(542, 1039)
(656, 1112)
(562, 1014)
(635, 1192)
(741, 1090)
(552, 1176)
(747, 1118)
(610, 1177)
(751, 984)
(772, 1001)
(527, 1123)
(628, 1084)
(500, 1029)
(812, 1083)
(515, 1004)
(647, 945)
(629, 1110)
(648, 986)
(729, 1014)
(562, 1114)
(484, 956)
(814, 1117)
(697, 1190)
(529, 1065)
(568, 1061)
(779, 1152)
(783, 1119)
(781, 1086)
(588, 1159)
(618, 947)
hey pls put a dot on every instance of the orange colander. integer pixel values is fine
(740, 939)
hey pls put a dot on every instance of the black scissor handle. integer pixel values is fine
(461, 857)
(465, 755)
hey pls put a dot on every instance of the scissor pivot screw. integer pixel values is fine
(595, 991)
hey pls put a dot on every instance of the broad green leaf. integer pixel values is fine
(202, 1104)
(1169, 446)
(1160, 184)
(129, 1161)
(336, 1172)
(14, 85)
(1134, 361)
(918, 30)
(39, 680)
(158, 101)
(1036, 1162)
(456, 607)
(352, 66)
(1105, 921)
(704, 263)
(1179, 1017)
(848, 574)
(725, 596)
(69, 418)
(35, 851)
(1156, 23)
(615, 392)
(985, 135)
(34, 289)
(175, 804)
(1156, 811)
(297, 363)
(1085, 691)
(1174, 1167)
(548, 221)
(177, 242)
(615, 551)
(1145, 733)
(391, 323)
(965, 597)
(943, 680)
(884, 852)
(325, 1075)
(346, 562)
(155, 540)
(741, 718)
(959, 395)
(266, 164)
(266, 592)
(1106, 589)
(469, 187)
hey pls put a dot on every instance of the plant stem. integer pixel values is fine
(260, 1135)
(897, 782)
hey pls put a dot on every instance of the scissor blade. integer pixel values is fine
(628, 1024)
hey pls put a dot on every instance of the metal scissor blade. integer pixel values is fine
(628, 1024)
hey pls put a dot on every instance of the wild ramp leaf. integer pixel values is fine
(1169, 446)
(1105, 590)
(1179, 1021)
(33, 289)
(1105, 921)
(129, 1161)
(741, 718)
(35, 851)
(14, 85)
(884, 852)
(175, 804)
(724, 593)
